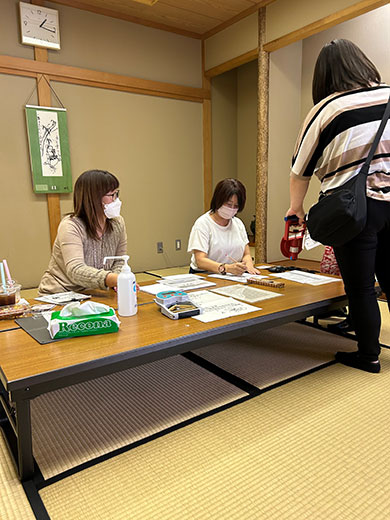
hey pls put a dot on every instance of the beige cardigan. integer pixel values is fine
(76, 262)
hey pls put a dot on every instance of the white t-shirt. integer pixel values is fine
(218, 242)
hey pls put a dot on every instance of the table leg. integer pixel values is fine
(24, 439)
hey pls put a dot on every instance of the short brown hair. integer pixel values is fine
(89, 190)
(341, 65)
(224, 190)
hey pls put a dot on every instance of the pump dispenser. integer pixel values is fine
(126, 288)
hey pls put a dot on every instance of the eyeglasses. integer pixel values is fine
(114, 195)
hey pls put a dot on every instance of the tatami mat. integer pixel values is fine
(316, 448)
(143, 277)
(79, 423)
(13, 502)
(276, 354)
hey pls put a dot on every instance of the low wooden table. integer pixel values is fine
(28, 369)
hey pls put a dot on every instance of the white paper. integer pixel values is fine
(63, 298)
(230, 277)
(215, 307)
(248, 294)
(262, 266)
(204, 298)
(304, 277)
(155, 288)
(181, 278)
(257, 276)
(308, 242)
(187, 285)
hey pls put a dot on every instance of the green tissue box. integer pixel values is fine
(88, 325)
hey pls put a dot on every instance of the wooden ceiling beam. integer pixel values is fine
(76, 75)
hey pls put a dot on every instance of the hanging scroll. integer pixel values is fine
(47, 130)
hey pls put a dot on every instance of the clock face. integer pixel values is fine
(39, 26)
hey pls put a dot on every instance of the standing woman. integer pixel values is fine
(94, 230)
(218, 240)
(333, 143)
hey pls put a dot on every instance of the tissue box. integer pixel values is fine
(72, 326)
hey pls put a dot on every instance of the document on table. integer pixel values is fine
(155, 288)
(304, 277)
(248, 294)
(186, 282)
(62, 298)
(230, 277)
(215, 307)
(236, 278)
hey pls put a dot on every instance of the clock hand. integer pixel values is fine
(44, 21)
(47, 29)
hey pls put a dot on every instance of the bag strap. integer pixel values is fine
(376, 139)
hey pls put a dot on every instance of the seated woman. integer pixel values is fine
(94, 230)
(218, 240)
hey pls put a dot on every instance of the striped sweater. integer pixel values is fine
(336, 137)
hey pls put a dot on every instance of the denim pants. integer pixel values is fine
(360, 260)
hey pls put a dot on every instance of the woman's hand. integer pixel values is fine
(237, 268)
(252, 270)
(248, 261)
(299, 212)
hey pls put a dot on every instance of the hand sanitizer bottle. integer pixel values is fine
(126, 288)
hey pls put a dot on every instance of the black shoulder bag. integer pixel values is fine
(341, 214)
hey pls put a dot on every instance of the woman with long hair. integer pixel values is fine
(92, 231)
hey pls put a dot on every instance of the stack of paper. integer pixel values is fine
(185, 282)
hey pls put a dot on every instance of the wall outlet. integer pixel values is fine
(160, 248)
(178, 244)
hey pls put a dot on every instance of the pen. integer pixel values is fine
(231, 258)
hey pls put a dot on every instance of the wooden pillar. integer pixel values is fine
(207, 151)
(262, 145)
(44, 99)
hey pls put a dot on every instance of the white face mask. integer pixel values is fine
(113, 209)
(226, 212)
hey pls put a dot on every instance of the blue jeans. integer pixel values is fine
(360, 260)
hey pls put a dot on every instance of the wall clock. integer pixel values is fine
(39, 26)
